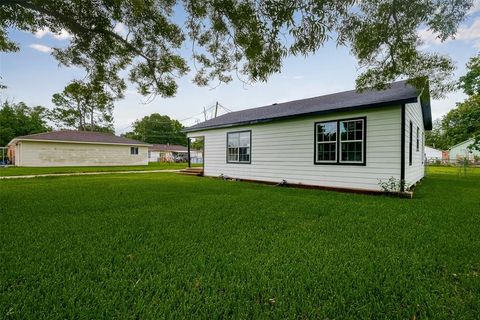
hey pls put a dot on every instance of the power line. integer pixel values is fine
(204, 112)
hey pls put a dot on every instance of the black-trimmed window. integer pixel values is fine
(351, 141)
(239, 147)
(340, 142)
(326, 142)
(410, 145)
(418, 139)
(134, 150)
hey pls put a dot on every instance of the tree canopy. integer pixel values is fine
(153, 40)
(18, 119)
(470, 82)
(83, 106)
(157, 128)
(462, 122)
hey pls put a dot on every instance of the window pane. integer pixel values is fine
(244, 139)
(232, 154)
(351, 135)
(238, 147)
(352, 151)
(244, 154)
(326, 151)
(351, 130)
(359, 125)
(233, 140)
(327, 131)
(359, 135)
(343, 130)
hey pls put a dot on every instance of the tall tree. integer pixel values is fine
(463, 122)
(470, 82)
(229, 37)
(157, 128)
(83, 106)
(18, 119)
(458, 125)
(436, 137)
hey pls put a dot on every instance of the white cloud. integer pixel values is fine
(471, 34)
(468, 34)
(298, 77)
(63, 35)
(41, 48)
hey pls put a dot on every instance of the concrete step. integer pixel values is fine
(192, 171)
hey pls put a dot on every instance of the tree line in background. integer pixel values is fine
(18, 119)
(157, 128)
(462, 122)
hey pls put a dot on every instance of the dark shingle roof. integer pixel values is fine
(398, 92)
(80, 136)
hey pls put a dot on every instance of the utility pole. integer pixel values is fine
(205, 113)
(216, 109)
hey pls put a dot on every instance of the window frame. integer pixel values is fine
(250, 147)
(323, 142)
(338, 143)
(134, 151)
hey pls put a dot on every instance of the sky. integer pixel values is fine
(32, 75)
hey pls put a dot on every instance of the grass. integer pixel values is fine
(171, 246)
(21, 171)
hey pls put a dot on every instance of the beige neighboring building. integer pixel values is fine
(76, 148)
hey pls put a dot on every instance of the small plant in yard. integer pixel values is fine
(393, 184)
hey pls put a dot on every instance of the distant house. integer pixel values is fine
(432, 154)
(348, 140)
(172, 153)
(461, 151)
(76, 148)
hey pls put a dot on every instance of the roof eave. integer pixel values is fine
(367, 106)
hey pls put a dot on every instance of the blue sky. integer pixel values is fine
(33, 75)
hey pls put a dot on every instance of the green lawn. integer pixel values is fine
(172, 246)
(20, 171)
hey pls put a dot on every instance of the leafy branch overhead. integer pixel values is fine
(229, 38)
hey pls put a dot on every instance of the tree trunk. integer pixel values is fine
(81, 126)
(91, 119)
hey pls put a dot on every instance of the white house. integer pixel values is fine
(172, 153)
(432, 154)
(462, 151)
(76, 148)
(347, 140)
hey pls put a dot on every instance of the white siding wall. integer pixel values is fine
(57, 154)
(154, 156)
(285, 150)
(416, 171)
